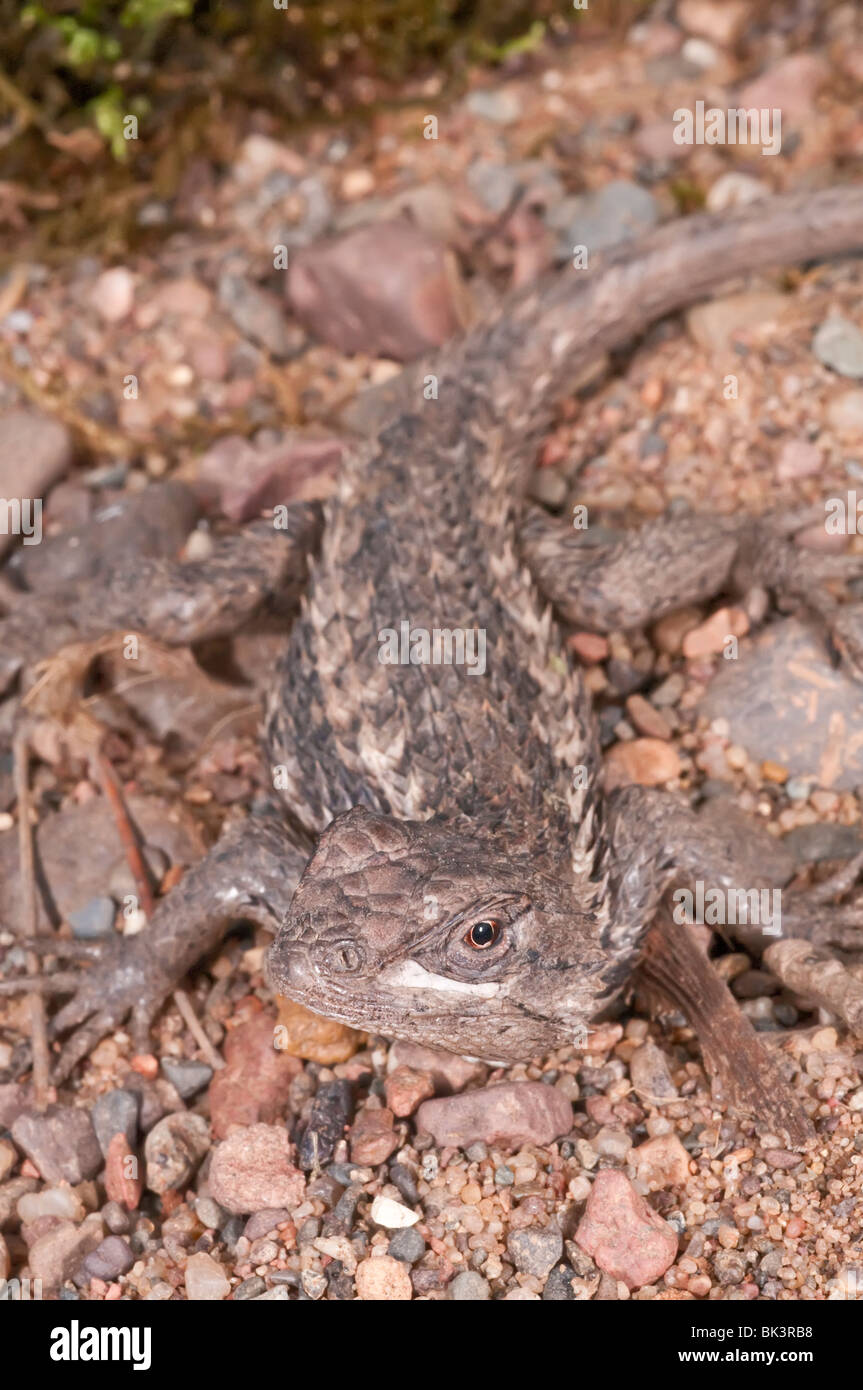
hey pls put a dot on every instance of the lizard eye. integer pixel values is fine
(483, 934)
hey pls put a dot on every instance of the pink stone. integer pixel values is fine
(448, 1072)
(405, 1088)
(388, 290)
(252, 1170)
(373, 1138)
(511, 1114)
(625, 1236)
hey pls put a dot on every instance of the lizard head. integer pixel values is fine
(416, 929)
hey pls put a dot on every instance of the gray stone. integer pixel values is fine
(469, 1287)
(116, 1112)
(260, 1223)
(94, 920)
(407, 1245)
(612, 214)
(62, 1143)
(648, 1069)
(188, 1078)
(811, 843)
(256, 314)
(535, 1251)
(838, 344)
(122, 881)
(116, 1218)
(785, 703)
(798, 788)
(496, 184)
(35, 452)
(253, 1287)
(493, 104)
(558, 1285)
(109, 1260)
(151, 523)
(79, 846)
(173, 1150)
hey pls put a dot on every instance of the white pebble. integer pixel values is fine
(205, 1279)
(386, 1212)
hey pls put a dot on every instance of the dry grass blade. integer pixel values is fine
(39, 1032)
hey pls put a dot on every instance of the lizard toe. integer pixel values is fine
(82, 1041)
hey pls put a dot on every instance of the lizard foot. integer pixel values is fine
(124, 980)
(819, 915)
(249, 875)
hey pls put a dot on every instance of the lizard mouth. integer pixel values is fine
(342, 996)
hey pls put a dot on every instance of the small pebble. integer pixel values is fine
(391, 1214)
(205, 1279)
(94, 920)
(469, 1287)
(187, 1077)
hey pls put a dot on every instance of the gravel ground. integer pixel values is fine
(618, 1176)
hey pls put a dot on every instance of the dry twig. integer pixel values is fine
(38, 1029)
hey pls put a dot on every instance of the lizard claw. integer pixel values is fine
(124, 980)
(829, 913)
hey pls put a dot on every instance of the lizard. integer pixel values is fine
(446, 864)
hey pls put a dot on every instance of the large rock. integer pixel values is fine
(791, 85)
(35, 452)
(387, 290)
(785, 703)
(614, 213)
(713, 325)
(56, 1256)
(78, 850)
(154, 523)
(511, 1114)
(243, 478)
(255, 1084)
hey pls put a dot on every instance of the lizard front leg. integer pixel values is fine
(175, 602)
(632, 579)
(249, 875)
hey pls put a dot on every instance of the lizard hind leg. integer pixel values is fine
(630, 579)
(744, 1073)
(626, 580)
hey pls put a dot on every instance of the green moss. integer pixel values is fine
(170, 64)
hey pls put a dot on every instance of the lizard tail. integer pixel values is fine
(526, 358)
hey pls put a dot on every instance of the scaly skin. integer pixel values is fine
(444, 799)
(478, 796)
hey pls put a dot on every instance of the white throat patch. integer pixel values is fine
(411, 975)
